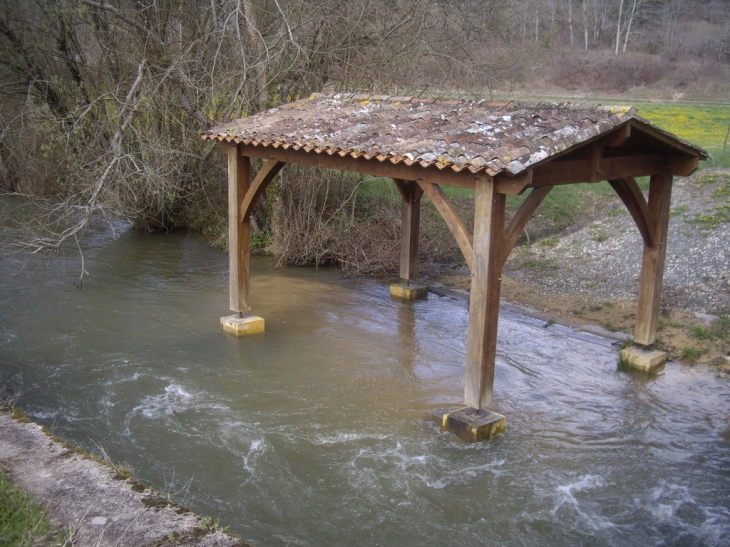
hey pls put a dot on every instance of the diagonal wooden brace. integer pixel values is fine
(630, 193)
(453, 219)
(267, 173)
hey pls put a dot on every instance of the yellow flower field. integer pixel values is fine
(703, 125)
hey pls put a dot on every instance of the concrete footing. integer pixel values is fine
(243, 326)
(647, 360)
(472, 426)
(408, 292)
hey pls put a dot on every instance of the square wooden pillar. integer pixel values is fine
(238, 231)
(652, 266)
(484, 300)
(410, 224)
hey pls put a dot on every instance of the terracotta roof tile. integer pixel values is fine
(473, 135)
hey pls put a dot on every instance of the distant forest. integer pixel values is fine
(103, 101)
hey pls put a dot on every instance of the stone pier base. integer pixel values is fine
(471, 426)
(243, 326)
(408, 291)
(647, 360)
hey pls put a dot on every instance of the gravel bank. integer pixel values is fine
(603, 257)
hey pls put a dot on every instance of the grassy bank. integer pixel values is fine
(23, 522)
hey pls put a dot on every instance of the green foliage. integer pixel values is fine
(548, 242)
(627, 344)
(700, 332)
(720, 158)
(23, 522)
(261, 241)
(691, 355)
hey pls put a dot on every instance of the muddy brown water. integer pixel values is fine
(325, 430)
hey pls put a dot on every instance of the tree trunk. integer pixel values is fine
(570, 22)
(618, 25)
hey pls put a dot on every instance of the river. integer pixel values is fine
(325, 431)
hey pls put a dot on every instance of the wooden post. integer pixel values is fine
(238, 231)
(410, 220)
(485, 286)
(652, 267)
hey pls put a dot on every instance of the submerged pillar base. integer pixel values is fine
(408, 292)
(243, 326)
(472, 426)
(647, 360)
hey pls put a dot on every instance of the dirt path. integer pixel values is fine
(98, 504)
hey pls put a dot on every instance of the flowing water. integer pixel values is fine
(326, 430)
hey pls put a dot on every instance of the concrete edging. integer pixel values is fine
(100, 506)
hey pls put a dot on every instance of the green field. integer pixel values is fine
(703, 125)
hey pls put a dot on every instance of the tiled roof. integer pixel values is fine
(476, 135)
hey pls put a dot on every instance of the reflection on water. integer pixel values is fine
(325, 430)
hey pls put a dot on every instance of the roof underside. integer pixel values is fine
(494, 137)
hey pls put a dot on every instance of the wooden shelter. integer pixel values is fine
(494, 148)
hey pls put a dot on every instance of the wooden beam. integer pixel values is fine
(523, 215)
(611, 168)
(596, 172)
(652, 266)
(238, 231)
(481, 349)
(451, 216)
(619, 136)
(630, 193)
(387, 169)
(513, 185)
(267, 173)
(410, 220)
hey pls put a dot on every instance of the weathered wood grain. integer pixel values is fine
(652, 266)
(410, 224)
(238, 231)
(484, 300)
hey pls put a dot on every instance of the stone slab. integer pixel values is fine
(643, 359)
(471, 426)
(408, 292)
(243, 326)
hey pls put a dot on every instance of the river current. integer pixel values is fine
(325, 431)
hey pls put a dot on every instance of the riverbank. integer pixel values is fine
(588, 275)
(96, 504)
